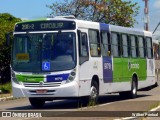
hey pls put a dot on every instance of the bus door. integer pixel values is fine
(84, 67)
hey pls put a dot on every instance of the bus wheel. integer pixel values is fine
(37, 103)
(93, 98)
(133, 92)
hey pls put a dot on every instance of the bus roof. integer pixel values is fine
(126, 30)
(95, 25)
(24, 21)
(147, 33)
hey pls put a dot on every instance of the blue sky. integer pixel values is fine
(33, 9)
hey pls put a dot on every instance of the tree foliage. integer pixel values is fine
(7, 23)
(115, 12)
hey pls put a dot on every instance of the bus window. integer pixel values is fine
(115, 45)
(94, 43)
(149, 48)
(141, 47)
(83, 47)
(125, 45)
(105, 44)
(133, 46)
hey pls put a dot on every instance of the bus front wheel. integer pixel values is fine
(94, 93)
(37, 103)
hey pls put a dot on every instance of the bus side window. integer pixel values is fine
(115, 40)
(125, 45)
(94, 43)
(141, 47)
(133, 46)
(105, 44)
(83, 47)
(149, 48)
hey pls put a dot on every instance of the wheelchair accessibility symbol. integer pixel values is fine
(46, 66)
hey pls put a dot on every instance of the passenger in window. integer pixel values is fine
(109, 53)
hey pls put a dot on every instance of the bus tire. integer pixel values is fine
(37, 103)
(133, 92)
(94, 93)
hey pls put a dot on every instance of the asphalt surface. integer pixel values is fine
(110, 107)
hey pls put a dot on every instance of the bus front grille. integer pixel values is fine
(42, 84)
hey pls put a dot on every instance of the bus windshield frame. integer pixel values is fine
(33, 51)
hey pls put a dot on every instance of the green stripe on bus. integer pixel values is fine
(124, 69)
(30, 78)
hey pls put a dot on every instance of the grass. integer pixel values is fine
(86, 103)
(150, 108)
(91, 103)
(6, 88)
(154, 106)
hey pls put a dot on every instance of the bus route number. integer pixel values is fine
(27, 26)
(107, 66)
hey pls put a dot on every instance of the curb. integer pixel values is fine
(6, 98)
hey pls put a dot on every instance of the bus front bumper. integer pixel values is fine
(65, 90)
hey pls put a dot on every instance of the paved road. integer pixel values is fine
(111, 103)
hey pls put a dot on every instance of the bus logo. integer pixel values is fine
(132, 65)
(41, 83)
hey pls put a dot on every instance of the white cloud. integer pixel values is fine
(157, 4)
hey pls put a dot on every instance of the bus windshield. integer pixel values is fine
(44, 52)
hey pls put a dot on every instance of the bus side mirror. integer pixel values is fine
(8, 38)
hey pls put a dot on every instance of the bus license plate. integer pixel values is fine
(41, 91)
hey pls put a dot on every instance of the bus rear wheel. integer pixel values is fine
(36, 102)
(133, 92)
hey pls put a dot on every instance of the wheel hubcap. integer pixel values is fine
(134, 89)
(93, 92)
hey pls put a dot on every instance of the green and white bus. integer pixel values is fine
(62, 57)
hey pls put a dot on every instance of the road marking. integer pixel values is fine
(154, 109)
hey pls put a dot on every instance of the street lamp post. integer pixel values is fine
(146, 15)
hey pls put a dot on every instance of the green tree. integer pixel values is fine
(117, 12)
(7, 23)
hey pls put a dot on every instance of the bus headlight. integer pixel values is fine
(13, 77)
(72, 76)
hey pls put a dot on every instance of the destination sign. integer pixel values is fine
(45, 26)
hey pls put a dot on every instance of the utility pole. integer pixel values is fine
(146, 20)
